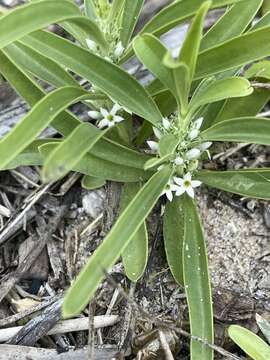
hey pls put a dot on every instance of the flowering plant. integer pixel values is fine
(202, 96)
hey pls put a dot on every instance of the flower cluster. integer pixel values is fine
(114, 53)
(107, 118)
(179, 186)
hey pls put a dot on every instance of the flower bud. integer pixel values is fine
(119, 49)
(193, 154)
(198, 123)
(193, 134)
(92, 45)
(94, 114)
(204, 146)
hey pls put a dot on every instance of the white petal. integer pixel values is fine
(111, 123)
(190, 191)
(157, 132)
(198, 123)
(119, 49)
(174, 187)
(178, 161)
(178, 181)
(196, 183)
(103, 123)
(180, 191)
(193, 154)
(166, 123)
(169, 195)
(153, 145)
(187, 176)
(92, 45)
(193, 134)
(117, 119)
(94, 114)
(204, 146)
(115, 109)
(104, 112)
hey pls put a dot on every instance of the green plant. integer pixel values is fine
(203, 95)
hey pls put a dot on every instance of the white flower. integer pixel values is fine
(204, 146)
(197, 123)
(178, 161)
(92, 45)
(110, 118)
(193, 154)
(186, 184)
(119, 50)
(153, 146)
(96, 115)
(193, 134)
(166, 123)
(169, 188)
(157, 132)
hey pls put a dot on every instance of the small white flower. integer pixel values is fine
(204, 146)
(92, 45)
(169, 188)
(178, 161)
(157, 132)
(198, 123)
(193, 134)
(109, 117)
(119, 50)
(193, 154)
(96, 115)
(166, 123)
(153, 146)
(186, 184)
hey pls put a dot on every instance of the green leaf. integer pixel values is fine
(166, 103)
(176, 13)
(39, 65)
(84, 287)
(70, 151)
(167, 144)
(197, 283)
(95, 166)
(190, 48)
(110, 78)
(41, 115)
(245, 48)
(92, 183)
(181, 77)
(260, 69)
(89, 9)
(130, 17)
(264, 326)
(173, 233)
(219, 90)
(248, 182)
(252, 344)
(150, 51)
(135, 254)
(30, 17)
(250, 129)
(231, 24)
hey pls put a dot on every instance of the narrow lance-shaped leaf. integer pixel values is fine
(130, 17)
(89, 9)
(104, 169)
(30, 17)
(173, 233)
(250, 129)
(39, 65)
(234, 53)
(196, 281)
(37, 120)
(249, 182)
(150, 51)
(135, 255)
(108, 77)
(252, 344)
(70, 151)
(84, 287)
(190, 48)
(221, 89)
(231, 24)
